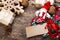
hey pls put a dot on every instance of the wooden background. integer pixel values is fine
(20, 23)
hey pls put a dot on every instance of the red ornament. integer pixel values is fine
(58, 36)
(47, 5)
(52, 25)
(56, 16)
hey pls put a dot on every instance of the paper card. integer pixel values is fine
(36, 30)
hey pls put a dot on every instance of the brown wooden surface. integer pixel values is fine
(19, 25)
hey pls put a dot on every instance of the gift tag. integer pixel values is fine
(6, 17)
(36, 30)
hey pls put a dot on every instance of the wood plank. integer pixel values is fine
(36, 30)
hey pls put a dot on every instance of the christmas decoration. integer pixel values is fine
(52, 28)
(35, 30)
(57, 15)
(6, 17)
(45, 35)
(53, 22)
(42, 13)
(52, 9)
(15, 6)
(39, 3)
(53, 25)
(11, 7)
(25, 3)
